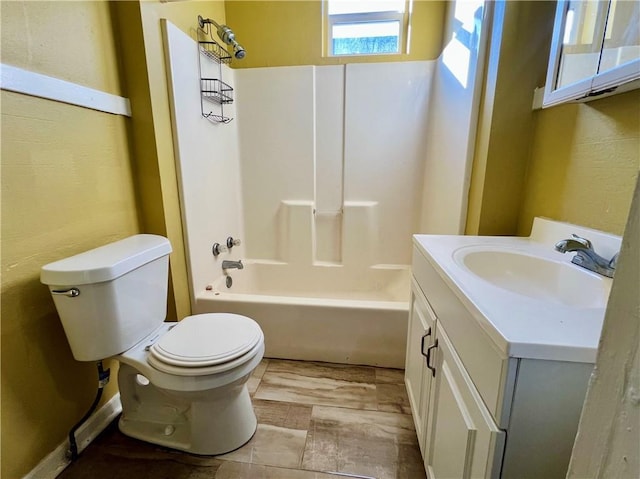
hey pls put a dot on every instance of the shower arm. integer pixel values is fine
(204, 21)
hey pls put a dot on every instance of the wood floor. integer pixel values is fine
(315, 421)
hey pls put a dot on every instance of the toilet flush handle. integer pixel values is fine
(71, 293)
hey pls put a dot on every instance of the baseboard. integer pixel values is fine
(57, 460)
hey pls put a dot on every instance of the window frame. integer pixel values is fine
(367, 17)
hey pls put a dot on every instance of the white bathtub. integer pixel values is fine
(320, 313)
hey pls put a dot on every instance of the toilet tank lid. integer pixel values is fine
(107, 262)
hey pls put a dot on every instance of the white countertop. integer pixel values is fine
(519, 325)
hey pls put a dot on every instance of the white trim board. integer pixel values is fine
(57, 460)
(43, 86)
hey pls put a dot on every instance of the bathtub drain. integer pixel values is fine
(229, 281)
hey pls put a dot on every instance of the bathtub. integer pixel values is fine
(320, 313)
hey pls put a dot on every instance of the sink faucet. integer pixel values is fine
(586, 256)
(232, 265)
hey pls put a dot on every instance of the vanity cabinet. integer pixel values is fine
(463, 439)
(595, 50)
(417, 375)
(478, 412)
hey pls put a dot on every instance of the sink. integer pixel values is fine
(537, 277)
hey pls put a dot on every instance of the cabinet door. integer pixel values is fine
(595, 49)
(463, 440)
(417, 377)
(620, 58)
(575, 49)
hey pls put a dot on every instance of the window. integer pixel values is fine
(366, 27)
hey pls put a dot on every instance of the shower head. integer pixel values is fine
(239, 51)
(226, 35)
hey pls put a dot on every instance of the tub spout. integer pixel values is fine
(232, 265)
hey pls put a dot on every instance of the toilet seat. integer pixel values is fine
(206, 344)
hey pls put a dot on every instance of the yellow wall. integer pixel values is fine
(145, 77)
(70, 183)
(289, 32)
(574, 163)
(66, 186)
(55, 38)
(584, 162)
(506, 119)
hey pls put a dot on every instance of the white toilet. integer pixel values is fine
(182, 385)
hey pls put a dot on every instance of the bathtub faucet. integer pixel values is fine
(232, 265)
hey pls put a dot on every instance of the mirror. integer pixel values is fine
(622, 35)
(595, 50)
(584, 24)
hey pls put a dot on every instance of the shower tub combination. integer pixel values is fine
(320, 313)
(299, 191)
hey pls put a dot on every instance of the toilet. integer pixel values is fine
(182, 385)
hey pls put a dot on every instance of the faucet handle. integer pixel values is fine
(231, 242)
(218, 248)
(584, 241)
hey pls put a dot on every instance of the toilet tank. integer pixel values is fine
(111, 297)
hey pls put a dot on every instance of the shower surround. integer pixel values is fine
(320, 175)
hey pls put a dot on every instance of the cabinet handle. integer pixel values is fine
(433, 369)
(428, 333)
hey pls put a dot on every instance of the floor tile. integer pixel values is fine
(369, 443)
(343, 372)
(113, 455)
(237, 470)
(389, 376)
(315, 421)
(410, 464)
(319, 384)
(256, 376)
(272, 446)
(393, 398)
(282, 414)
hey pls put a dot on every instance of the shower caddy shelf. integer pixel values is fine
(214, 90)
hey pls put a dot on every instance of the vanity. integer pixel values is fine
(502, 338)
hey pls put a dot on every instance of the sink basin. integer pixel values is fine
(536, 277)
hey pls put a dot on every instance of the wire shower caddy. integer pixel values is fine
(213, 90)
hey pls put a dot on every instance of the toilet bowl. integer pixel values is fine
(203, 408)
(182, 385)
